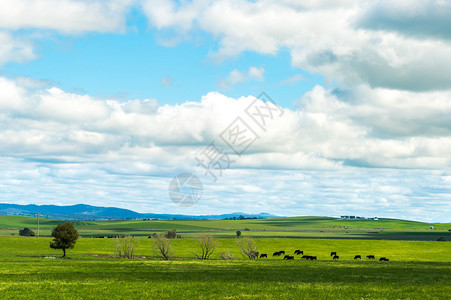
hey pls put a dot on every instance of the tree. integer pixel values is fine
(162, 246)
(26, 232)
(206, 244)
(125, 246)
(238, 233)
(172, 234)
(248, 248)
(65, 236)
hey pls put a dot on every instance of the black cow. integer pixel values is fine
(336, 257)
(305, 256)
(333, 253)
(276, 254)
(263, 255)
(297, 252)
(312, 258)
(357, 257)
(288, 257)
(282, 252)
(383, 259)
(370, 256)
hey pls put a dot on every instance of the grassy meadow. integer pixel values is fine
(417, 268)
(295, 227)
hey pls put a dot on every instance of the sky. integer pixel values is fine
(316, 107)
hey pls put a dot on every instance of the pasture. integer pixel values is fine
(295, 227)
(417, 268)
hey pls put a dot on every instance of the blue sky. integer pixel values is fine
(134, 64)
(104, 102)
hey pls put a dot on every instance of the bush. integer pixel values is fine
(226, 255)
(162, 247)
(246, 229)
(26, 232)
(441, 239)
(125, 246)
(206, 244)
(248, 248)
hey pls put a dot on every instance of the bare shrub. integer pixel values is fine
(125, 246)
(162, 247)
(206, 245)
(248, 248)
(226, 255)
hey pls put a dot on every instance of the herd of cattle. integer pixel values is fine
(311, 257)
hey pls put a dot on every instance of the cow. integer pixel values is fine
(336, 257)
(288, 257)
(263, 255)
(297, 252)
(383, 259)
(282, 252)
(305, 256)
(333, 253)
(370, 256)
(312, 258)
(357, 257)
(276, 254)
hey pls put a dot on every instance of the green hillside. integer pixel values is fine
(295, 227)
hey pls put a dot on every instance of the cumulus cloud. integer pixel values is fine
(237, 77)
(424, 18)
(306, 158)
(329, 130)
(66, 16)
(327, 39)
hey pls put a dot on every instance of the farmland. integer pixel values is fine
(296, 227)
(417, 268)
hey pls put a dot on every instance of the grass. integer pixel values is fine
(298, 227)
(72, 279)
(416, 270)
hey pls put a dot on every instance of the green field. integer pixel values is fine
(296, 227)
(417, 269)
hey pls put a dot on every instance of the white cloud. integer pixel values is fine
(53, 143)
(66, 16)
(237, 77)
(322, 39)
(15, 49)
(329, 130)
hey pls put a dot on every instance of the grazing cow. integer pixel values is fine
(336, 257)
(263, 255)
(297, 252)
(288, 257)
(276, 254)
(305, 257)
(357, 257)
(333, 253)
(383, 259)
(312, 258)
(370, 256)
(282, 252)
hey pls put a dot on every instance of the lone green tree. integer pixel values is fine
(65, 236)
(238, 233)
(26, 232)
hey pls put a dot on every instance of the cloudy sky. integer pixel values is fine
(104, 102)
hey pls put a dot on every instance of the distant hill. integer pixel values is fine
(88, 212)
